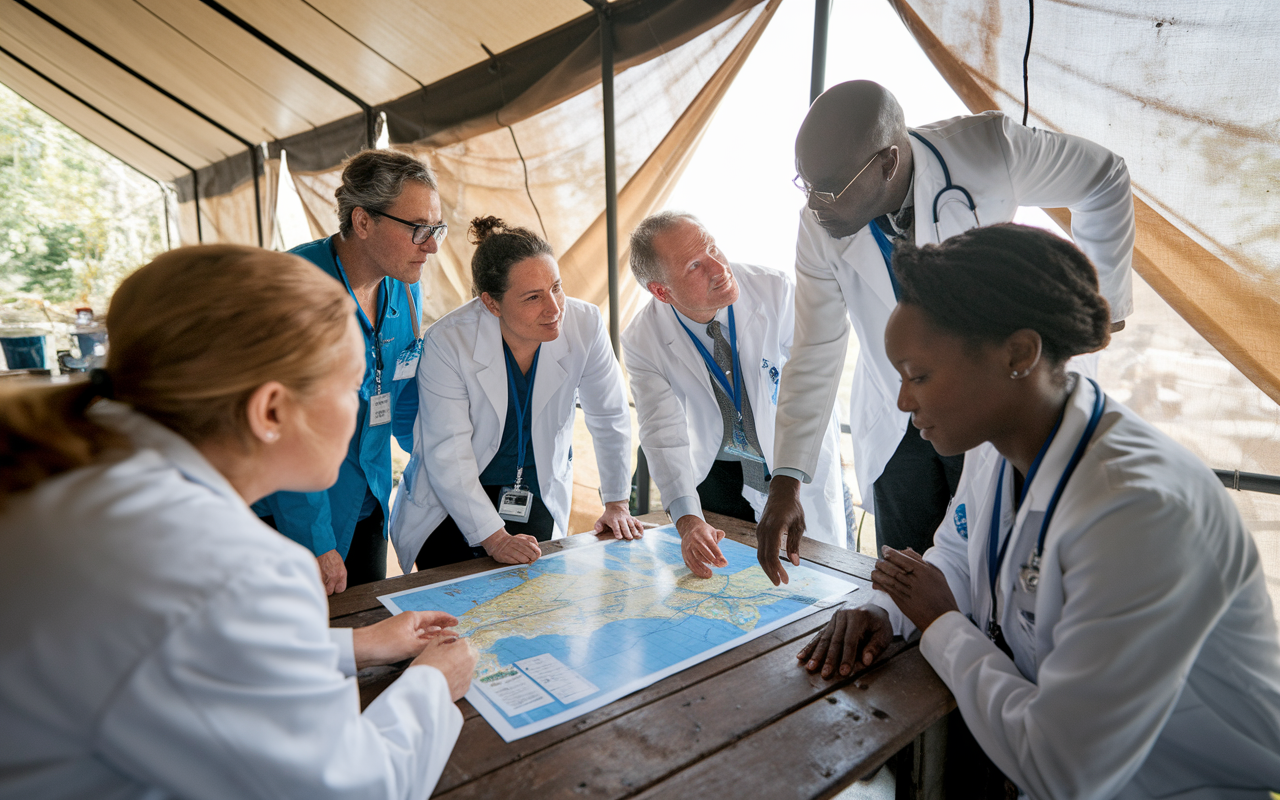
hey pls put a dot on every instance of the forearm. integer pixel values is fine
(686, 506)
(811, 378)
(1056, 170)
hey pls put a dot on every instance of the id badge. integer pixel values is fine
(515, 504)
(739, 447)
(407, 361)
(380, 409)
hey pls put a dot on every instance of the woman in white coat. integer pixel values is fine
(498, 384)
(1093, 599)
(159, 640)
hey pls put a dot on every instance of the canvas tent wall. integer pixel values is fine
(502, 97)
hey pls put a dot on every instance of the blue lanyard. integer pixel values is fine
(886, 250)
(383, 301)
(996, 559)
(521, 404)
(734, 391)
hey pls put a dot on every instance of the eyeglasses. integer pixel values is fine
(828, 197)
(420, 232)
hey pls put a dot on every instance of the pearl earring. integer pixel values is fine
(1014, 375)
(271, 436)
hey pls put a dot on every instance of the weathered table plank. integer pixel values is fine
(747, 723)
(826, 745)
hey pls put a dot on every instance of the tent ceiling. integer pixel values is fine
(173, 85)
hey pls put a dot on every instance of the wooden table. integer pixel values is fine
(748, 723)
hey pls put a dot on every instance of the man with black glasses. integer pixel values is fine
(390, 222)
(869, 182)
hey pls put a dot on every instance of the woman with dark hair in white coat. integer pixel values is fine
(498, 385)
(161, 641)
(1092, 599)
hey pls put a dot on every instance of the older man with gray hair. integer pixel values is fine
(389, 223)
(704, 356)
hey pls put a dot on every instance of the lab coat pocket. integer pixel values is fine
(407, 361)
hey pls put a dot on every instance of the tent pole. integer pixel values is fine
(195, 194)
(164, 201)
(610, 168)
(821, 21)
(257, 192)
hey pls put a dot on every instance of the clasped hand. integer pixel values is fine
(426, 637)
(918, 588)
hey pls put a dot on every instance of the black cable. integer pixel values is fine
(1026, 56)
(526, 182)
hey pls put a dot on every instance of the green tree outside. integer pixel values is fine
(74, 220)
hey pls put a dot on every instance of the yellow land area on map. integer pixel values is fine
(579, 604)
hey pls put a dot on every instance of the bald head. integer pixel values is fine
(845, 126)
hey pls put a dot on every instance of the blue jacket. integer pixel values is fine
(324, 521)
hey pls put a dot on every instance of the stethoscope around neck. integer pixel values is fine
(938, 199)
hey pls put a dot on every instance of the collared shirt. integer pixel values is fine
(700, 328)
(690, 504)
(324, 521)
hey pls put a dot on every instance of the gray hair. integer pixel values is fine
(646, 266)
(373, 179)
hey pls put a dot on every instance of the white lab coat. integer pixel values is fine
(462, 408)
(1147, 663)
(160, 641)
(1003, 165)
(681, 427)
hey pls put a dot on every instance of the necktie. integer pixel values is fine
(753, 473)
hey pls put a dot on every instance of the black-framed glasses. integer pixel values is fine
(420, 232)
(830, 197)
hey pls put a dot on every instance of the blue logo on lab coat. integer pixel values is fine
(774, 374)
(962, 523)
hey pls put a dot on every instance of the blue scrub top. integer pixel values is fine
(502, 468)
(324, 521)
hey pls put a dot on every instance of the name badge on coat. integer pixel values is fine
(380, 409)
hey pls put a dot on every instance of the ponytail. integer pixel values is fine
(193, 335)
(45, 432)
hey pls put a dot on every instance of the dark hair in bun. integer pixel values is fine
(499, 248)
(987, 283)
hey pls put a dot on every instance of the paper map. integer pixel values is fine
(582, 627)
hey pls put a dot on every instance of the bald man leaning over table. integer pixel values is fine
(870, 181)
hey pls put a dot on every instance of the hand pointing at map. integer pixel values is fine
(699, 544)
